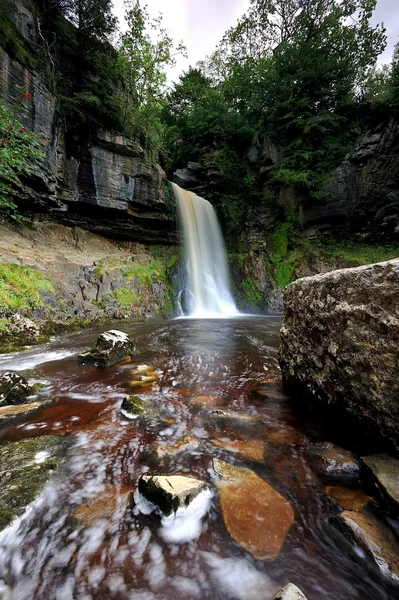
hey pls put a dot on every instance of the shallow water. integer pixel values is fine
(48, 554)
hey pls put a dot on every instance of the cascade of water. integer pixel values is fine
(206, 290)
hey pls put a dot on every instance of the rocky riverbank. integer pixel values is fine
(55, 278)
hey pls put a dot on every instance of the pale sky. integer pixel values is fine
(200, 24)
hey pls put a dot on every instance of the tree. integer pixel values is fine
(19, 150)
(143, 59)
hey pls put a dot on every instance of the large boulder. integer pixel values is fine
(386, 471)
(339, 345)
(110, 348)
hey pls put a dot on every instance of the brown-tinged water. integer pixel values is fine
(49, 555)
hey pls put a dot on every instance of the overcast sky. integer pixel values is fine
(202, 23)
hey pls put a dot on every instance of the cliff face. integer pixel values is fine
(105, 183)
(364, 194)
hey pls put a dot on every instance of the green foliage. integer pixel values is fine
(280, 240)
(19, 150)
(156, 269)
(359, 254)
(21, 287)
(125, 297)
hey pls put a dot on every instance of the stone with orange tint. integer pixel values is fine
(347, 498)
(204, 401)
(285, 437)
(110, 506)
(252, 450)
(257, 517)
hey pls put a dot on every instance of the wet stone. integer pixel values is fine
(285, 438)
(386, 471)
(8, 412)
(204, 401)
(374, 538)
(110, 348)
(220, 414)
(334, 462)
(251, 450)
(290, 592)
(109, 506)
(170, 492)
(257, 517)
(14, 389)
(25, 468)
(348, 499)
(186, 444)
(132, 407)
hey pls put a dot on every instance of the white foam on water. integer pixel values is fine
(40, 457)
(238, 579)
(129, 415)
(19, 362)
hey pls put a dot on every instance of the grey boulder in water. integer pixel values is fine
(110, 348)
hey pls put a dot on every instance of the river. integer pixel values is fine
(50, 555)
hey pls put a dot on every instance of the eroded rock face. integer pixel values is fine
(339, 345)
(290, 592)
(14, 388)
(110, 348)
(257, 517)
(170, 492)
(347, 498)
(375, 539)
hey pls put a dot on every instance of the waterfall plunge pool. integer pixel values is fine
(52, 554)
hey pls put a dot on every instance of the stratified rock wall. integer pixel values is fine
(104, 183)
(340, 340)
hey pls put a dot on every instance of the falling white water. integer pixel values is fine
(206, 290)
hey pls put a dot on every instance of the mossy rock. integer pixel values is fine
(132, 407)
(26, 466)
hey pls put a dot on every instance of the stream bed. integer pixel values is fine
(83, 540)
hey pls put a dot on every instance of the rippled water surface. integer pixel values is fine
(51, 554)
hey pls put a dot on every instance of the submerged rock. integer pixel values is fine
(110, 348)
(347, 498)
(290, 592)
(25, 468)
(170, 492)
(374, 538)
(14, 389)
(334, 462)
(229, 415)
(107, 506)
(204, 401)
(185, 444)
(339, 347)
(252, 450)
(386, 471)
(257, 517)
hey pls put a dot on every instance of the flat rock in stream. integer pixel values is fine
(251, 450)
(335, 462)
(374, 538)
(8, 412)
(257, 517)
(170, 492)
(386, 471)
(110, 348)
(185, 444)
(25, 467)
(14, 388)
(220, 414)
(290, 592)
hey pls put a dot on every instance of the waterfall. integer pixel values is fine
(206, 288)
